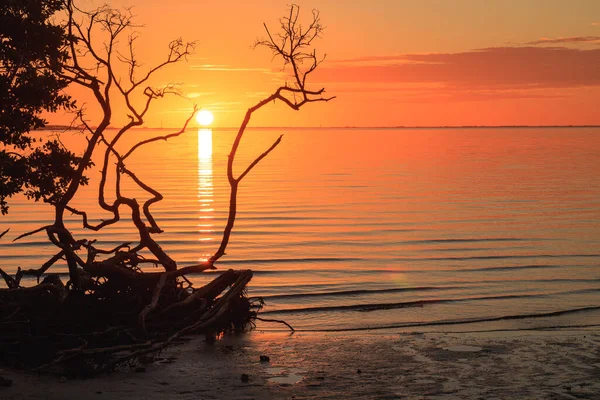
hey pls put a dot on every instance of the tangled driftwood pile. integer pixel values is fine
(118, 318)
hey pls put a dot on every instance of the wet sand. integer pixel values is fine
(556, 364)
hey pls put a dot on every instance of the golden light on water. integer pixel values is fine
(205, 188)
(204, 118)
(205, 144)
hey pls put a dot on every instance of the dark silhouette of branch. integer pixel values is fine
(259, 158)
(94, 49)
(33, 232)
(293, 47)
(11, 283)
(158, 138)
(40, 271)
(278, 321)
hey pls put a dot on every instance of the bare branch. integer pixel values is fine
(32, 232)
(153, 303)
(259, 158)
(279, 321)
(40, 271)
(158, 138)
(11, 283)
(146, 207)
(293, 49)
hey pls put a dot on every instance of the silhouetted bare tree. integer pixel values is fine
(113, 306)
(293, 44)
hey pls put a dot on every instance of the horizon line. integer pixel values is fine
(66, 127)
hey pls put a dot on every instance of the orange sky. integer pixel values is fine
(389, 62)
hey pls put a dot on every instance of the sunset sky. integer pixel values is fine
(389, 62)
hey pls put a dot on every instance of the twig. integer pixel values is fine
(10, 281)
(279, 321)
(155, 296)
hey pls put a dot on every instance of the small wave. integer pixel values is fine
(506, 268)
(536, 328)
(582, 291)
(459, 322)
(391, 306)
(480, 240)
(37, 243)
(360, 292)
(288, 260)
(504, 257)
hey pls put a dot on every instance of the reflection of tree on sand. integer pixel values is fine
(205, 188)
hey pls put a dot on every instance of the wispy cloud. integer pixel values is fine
(228, 68)
(254, 95)
(595, 23)
(499, 68)
(195, 95)
(222, 106)
(566, 40)
(369, 59)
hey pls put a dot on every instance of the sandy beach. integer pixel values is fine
(555, 364)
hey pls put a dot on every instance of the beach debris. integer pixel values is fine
(265, 358)
(63, 334)
(245, 378)
(168, 360)
(463, 349)
(284, 375)
(278, 321)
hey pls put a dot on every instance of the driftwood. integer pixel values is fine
(46, 325)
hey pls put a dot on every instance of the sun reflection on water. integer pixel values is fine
(205, 188)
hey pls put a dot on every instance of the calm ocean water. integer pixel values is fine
(363, 228)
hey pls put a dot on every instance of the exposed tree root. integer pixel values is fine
(47, 328)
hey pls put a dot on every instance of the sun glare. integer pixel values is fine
(204, 118)
(204, 144)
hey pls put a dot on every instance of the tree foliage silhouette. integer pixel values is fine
(32, 55)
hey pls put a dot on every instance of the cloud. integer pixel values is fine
(227, 68)
(595, 23)
(428, 93)
(565, 40)
(497, 68)
(367, 59)
(254, 95)
(222, 106)
(195, 95)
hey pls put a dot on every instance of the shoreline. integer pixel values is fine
(510, 364)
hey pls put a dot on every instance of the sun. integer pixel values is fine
(204, 118)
